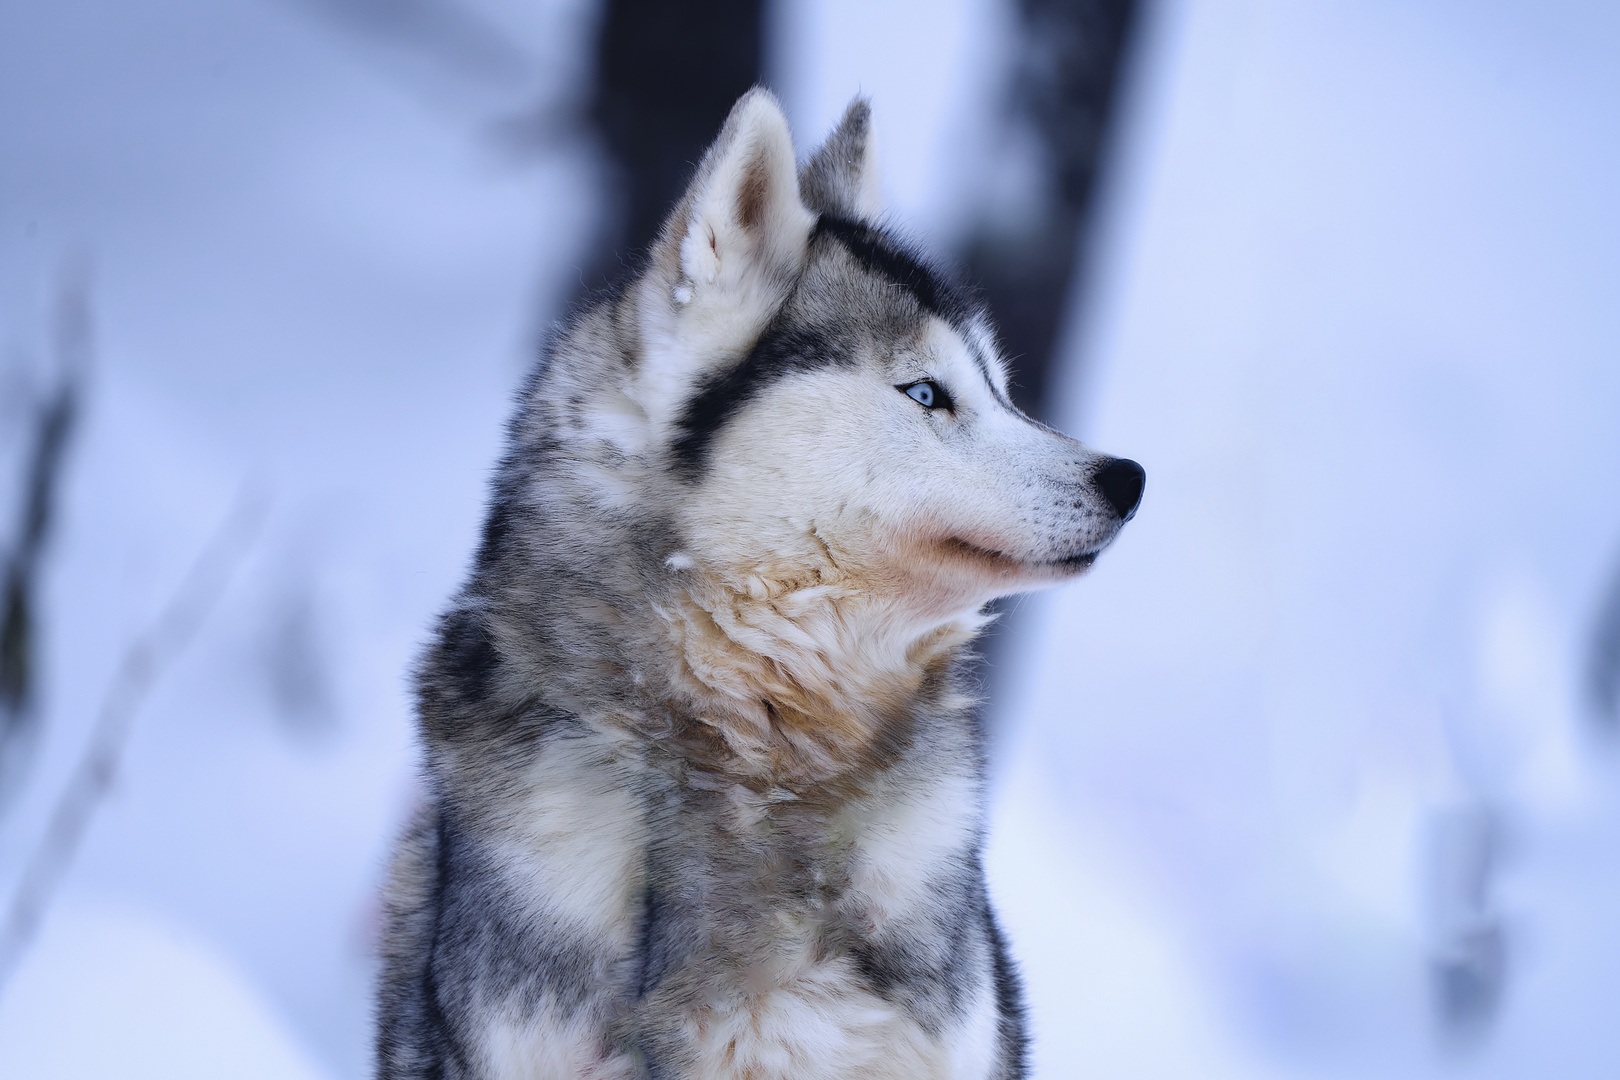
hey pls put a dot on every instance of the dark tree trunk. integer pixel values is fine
(666, 76)
(1064, 91)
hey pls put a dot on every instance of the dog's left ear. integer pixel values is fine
(842, 177)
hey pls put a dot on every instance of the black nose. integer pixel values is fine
(1121, 481)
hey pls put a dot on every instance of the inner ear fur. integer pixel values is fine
(841, 178)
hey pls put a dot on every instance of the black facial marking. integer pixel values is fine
(882, 255)
(983, 364)
(780, 351)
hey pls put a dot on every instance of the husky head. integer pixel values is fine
(794, 436)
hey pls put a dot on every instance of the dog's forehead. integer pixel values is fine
(966, 351)
(865, 280)
(860, 280)
(859, 254)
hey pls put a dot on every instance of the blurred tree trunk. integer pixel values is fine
(666, 76)
(1069, 64)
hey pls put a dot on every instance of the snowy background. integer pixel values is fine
(1306, 780)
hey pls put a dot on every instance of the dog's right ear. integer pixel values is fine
(732, 249)
(842, 177)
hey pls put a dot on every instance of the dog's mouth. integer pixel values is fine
(1012, 564)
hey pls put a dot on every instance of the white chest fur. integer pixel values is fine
(820, 1024)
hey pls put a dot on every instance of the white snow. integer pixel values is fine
(115, 992)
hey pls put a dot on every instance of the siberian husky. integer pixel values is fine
(705, 785)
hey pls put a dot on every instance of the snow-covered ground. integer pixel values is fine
(1313, 728)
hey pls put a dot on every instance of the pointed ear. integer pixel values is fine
(738, 236)
(842, 177)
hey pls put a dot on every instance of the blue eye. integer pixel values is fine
(927, 393)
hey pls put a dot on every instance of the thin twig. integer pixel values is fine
(144, 661)
(20, 577)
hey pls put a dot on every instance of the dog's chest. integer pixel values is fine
(753, 918)
(870, 863)
(818, 1020)
(803, 898)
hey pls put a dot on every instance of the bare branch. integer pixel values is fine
(19, 585)
(145, 660)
